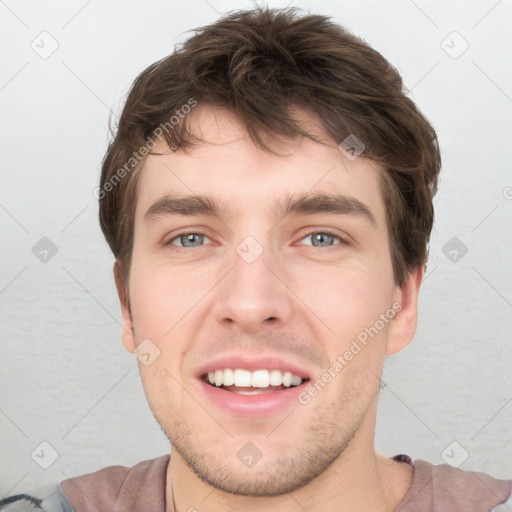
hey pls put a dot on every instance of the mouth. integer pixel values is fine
(251, 385)
(257, 382)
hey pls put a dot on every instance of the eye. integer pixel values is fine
(188, 240)
(196, 239)
(323, 239)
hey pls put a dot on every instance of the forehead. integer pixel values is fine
(240, 176)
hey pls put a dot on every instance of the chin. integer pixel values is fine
(250, 472)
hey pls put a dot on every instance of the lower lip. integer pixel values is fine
(263, 404)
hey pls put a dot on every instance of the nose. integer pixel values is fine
(252, 296)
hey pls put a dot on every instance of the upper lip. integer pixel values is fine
(255, 362)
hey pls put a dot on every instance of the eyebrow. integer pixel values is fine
(294, 204)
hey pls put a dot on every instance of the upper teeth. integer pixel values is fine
(256, 379)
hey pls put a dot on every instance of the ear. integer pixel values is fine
(127, 335)
(403, 326)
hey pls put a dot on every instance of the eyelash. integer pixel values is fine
(323, 232)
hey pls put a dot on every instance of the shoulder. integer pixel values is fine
(141, 487)
(114, 487)
(445, 488)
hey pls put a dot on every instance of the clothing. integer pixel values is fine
(434, 488)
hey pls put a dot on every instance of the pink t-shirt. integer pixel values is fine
(434, 488)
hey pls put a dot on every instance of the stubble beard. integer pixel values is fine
(273, 475)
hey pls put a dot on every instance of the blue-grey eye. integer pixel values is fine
(189, 240)
(322, 239)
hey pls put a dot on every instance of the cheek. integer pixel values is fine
(165, 300)
(347, 303)
(160, 296)
(346, 296)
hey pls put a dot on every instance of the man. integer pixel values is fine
(268, 199)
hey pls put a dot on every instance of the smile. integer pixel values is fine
(246, 382)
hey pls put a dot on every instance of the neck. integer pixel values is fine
(359, 479)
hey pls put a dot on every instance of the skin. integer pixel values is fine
(302, 299)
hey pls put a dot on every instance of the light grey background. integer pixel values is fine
(67, 381)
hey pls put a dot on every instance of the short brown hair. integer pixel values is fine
(260, 63)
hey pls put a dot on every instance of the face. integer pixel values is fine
(282, 295)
